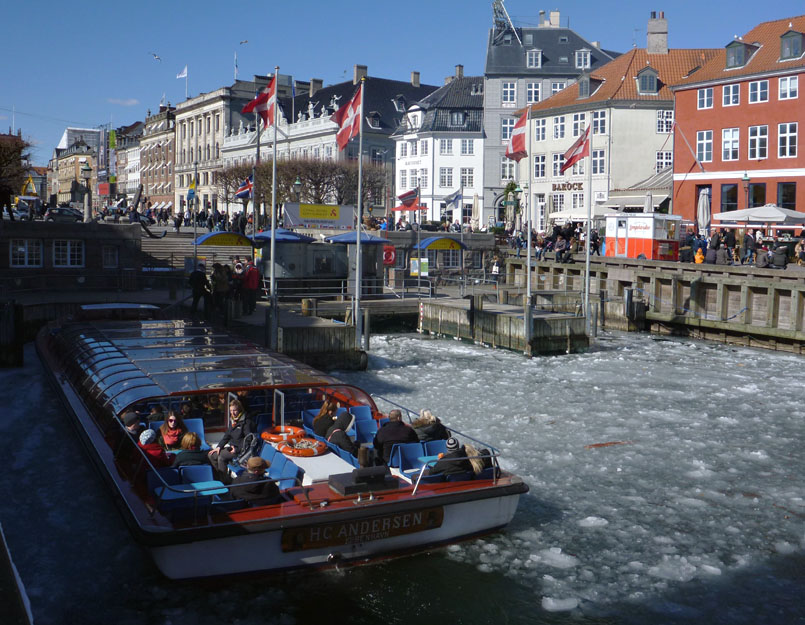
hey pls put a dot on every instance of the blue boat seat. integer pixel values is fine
(430, 479)
(365, 431)
(382, 422)
(196, 473)
(169, 476)
(277, 464)
(361, 413)
(434, 448)
(405, 456)
(488, 473)
(288, 475)
(460, 477)
(268, 452)
(307, 418)
(263, 421)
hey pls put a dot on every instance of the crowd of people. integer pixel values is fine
(238, 282)
(560, 245)
(723, 247)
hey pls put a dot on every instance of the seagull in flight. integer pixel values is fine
(156, 57)
(244, 41)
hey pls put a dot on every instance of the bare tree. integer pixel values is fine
(14, 158)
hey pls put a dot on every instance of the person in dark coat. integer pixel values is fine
(247, 485)
(337, 434)
(325, 419)
(133, 425)
(429, 428)
(749, 248)
(201, 289)
(454, 460)
(393, 432)
(232, 441)
(191, 453)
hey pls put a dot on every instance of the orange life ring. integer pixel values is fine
(279, 433)
(389, 255)
(302, 447)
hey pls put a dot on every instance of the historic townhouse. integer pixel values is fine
(157, 157)
(740, 114)
(525, 66)
(67, 163)
(439, 148)
(629, 105)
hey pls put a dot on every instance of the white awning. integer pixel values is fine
(169, 205)
(156, 206)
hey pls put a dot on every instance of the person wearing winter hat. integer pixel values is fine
(132, 422)
(251, 485)
(454, 460)
(157, 456)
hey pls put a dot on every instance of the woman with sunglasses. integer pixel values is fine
(171, 432)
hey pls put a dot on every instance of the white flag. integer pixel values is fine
(183, 73)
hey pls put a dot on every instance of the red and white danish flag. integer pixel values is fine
(577, 151)
(516, 149)
(348, 118)
(263, 103)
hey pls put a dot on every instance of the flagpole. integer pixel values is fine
(255, 212)
(358, 281)
(527, 309)
(195, 214)
(185, 82)
(589, 199)
(273, 281)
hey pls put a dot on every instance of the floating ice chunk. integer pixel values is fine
(710, 570)
(559, 605)
(593, 521)
(674, 569)
(555, 558)
(784, 547)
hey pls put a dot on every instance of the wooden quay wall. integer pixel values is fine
(733, 304)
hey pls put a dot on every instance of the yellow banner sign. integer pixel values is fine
(227, 238)
(361, 531)
(320, 211)
(445, 244)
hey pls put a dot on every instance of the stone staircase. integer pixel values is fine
(172, 251)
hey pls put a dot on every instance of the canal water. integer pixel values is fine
(666, 486)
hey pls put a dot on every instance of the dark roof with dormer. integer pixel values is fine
(509, 59)
(381, 94)
(465, 95)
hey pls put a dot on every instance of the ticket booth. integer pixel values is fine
(652, 236)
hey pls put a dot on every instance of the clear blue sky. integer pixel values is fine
(88, 63)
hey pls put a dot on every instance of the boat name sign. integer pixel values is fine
(362, 530)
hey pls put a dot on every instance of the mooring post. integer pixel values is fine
(366, 329)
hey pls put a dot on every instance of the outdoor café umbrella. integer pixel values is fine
(770, 213)
(703, 212)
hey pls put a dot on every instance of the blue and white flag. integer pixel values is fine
(454, 199)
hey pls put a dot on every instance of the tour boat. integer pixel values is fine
(332, 512)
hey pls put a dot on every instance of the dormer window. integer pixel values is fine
(507, 39)
(456, 118)
(562, 39)
(534, 58)
(584, 87)
(373, 119)
(399, 103)
(647, 82)
(528, 39)
(790, 45)
(739, 53)
(582, 59)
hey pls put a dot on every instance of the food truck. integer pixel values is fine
(653, 236)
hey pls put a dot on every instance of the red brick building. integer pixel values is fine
(738, 119)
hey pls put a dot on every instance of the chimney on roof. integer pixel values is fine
(315, 85)
(554, 17)
(657, 34)
(359, 71)
(459, 71)
(596, 44)
(415, 79)
(542, 18)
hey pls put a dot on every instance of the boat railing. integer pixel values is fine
(407, 411)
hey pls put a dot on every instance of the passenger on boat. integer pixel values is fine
(214, 408)
(325, 419)
(132, 422)
(337, 434)
(157, 455)
(429, 428)
(395, 431)
(191, 451)
(480, 459)
(171, 431)
(454, 460)
(244, 487)
(189, 411)
(157, 413)
(231, 442)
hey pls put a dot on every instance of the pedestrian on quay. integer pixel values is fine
(749, 248)
(251, 285)
(200, 286)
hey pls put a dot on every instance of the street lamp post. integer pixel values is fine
(746, 180)
(86, 176)
(297, 188)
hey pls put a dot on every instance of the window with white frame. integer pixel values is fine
(456, 118)
(451, 259)
(413, 145)
(599, 122)
(532, 92)
(758, 91)
(788, 87)
(539, 129)
(559, 127)
(467, 177)
(539, 166)
(423, 177)
(506, 128)
(445, 147)
(577, 200)
(787, 140)
(413, 175)
(663, 159)
(433, 257)
(68, 253)
(558, 201)
(729, 144)
(403, 179)
(403, 148)
(578, 167)
(705, 98)
(445, 176)
(557, 86)
(506, 169)
(598, 161)
(26, 253)
(582, 59)
(467, 147)
(704, 146)
(579, 121)
(665, 122)
(423, 147)
(508, 94)
(791, 45)
(533, 58)
(110, 256)
(731, 95)
(758, 141)
(558, 162)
